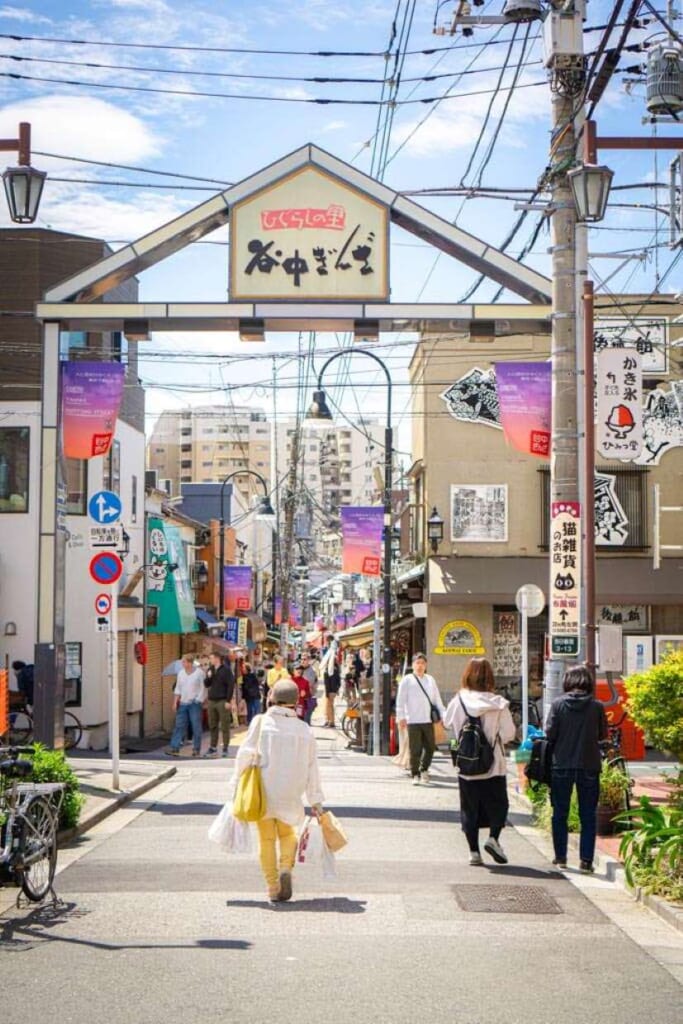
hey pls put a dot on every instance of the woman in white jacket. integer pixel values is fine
(287, 755)
(483, 798)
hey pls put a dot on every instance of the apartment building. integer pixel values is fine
(338, 465)
(206, 443)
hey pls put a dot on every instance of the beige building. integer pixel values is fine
(206, 443)
(495, 503)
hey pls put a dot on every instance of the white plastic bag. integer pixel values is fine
(231, 835)
(312, 850)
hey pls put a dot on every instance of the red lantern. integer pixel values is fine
(140, 651)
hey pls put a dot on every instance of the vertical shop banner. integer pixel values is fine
(319, 622)
(277, 612)
(565, 577)
(91, 397)
(362, 539)
(620, 404)
(524, 399)
(237, 587)
(360, 612)
(169, 594)
(342, 621)
(295, 616)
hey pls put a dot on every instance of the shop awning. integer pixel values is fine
(258, 630)
(361, 634)
(619, 580)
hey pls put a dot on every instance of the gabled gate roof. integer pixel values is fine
(104, 275)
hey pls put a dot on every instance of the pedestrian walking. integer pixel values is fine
(331, 677)
(576, 724)
(287, 754)
(251, 692)
(276, 672)
(417, 696)
(309, 673)
(304, 688)
(483, 797)
(220, 684)
(189, 700)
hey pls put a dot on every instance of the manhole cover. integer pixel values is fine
(505, 899)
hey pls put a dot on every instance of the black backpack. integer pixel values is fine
(474, 755)
(539, 768)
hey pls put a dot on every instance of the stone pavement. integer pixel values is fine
(160, 926)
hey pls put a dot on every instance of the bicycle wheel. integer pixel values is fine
(73, 730)
(37, 850)
(622, 764)
(20, 728)
(349, 724)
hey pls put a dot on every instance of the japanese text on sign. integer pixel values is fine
(565, 574)
(620, 410)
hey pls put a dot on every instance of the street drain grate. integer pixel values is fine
(505, 899)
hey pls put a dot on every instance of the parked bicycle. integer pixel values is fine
(21, 728)
(29, 812)
(534, 708)
(610, 751)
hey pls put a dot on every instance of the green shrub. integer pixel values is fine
(52, 766)
(652, 849)
(543, 812)
(655, 702)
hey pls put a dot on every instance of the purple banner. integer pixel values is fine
(360, 612)
(341, 621)
(277, 612)
(524, 397)
(91, 396)
(295, 616)
(362, 539)
(237, 587)
(320, 622)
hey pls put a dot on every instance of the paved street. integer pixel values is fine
(158, 926)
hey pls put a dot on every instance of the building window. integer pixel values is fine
(119, 347)
(620, 507)
(186, 464)
(14, 442)
(112, 469)
(76, 472)
(71, 340)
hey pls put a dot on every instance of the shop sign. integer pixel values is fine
(632, 618)
(620, 409)
(507, 644)
(565, 577)
(362, 528)
(309, 237)
(459, 637)
(647, 336)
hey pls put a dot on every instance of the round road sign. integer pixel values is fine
(103, 604)
(106, 567)
(530, 600)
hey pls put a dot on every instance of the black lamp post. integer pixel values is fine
(23, 184)
(319, 410)
(264, 512)
(435, 530)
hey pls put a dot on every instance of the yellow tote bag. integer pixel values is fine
(250, 796)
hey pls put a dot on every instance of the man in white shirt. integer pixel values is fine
(189, 700)
(417, 695)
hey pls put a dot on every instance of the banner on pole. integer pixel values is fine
(565, 577)
(237, 587)
(362, 539)
(91, 397)
(524, 400)
(620, 404)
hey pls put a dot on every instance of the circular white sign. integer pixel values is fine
(530, 600)
(102, 604)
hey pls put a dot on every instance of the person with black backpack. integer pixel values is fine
(482, 723)
(576, 724)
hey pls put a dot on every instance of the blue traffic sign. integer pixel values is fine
(104, 507)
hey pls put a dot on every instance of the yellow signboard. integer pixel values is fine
(309, 237)
(459, 637)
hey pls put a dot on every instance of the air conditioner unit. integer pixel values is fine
(151, 479)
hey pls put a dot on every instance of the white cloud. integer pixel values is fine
(22, 14)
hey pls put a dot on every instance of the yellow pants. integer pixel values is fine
(269, 831)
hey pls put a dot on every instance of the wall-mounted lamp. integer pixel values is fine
(200, 575)
(136, 330)
(10, 629)
(435, 530)
(23, 184)
(252, 329)
(365, 330)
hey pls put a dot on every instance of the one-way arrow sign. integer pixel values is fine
(104, 507)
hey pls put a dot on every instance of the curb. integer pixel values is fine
(668, 912)
(118, 800)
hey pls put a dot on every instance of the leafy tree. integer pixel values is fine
(655, 702)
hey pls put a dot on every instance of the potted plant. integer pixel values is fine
(614, 788)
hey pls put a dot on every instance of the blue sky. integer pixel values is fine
(266, 114)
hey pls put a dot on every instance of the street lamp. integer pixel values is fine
(319, 411)
(435, 530)
(23, 184)
(590, 185)
(264, 512)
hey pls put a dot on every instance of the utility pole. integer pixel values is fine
(285, 559)
(565, 61)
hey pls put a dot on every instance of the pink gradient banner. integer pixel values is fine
(360, 612)
(362, 539)
(524, 396)
(91, 397)
(237, 587)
